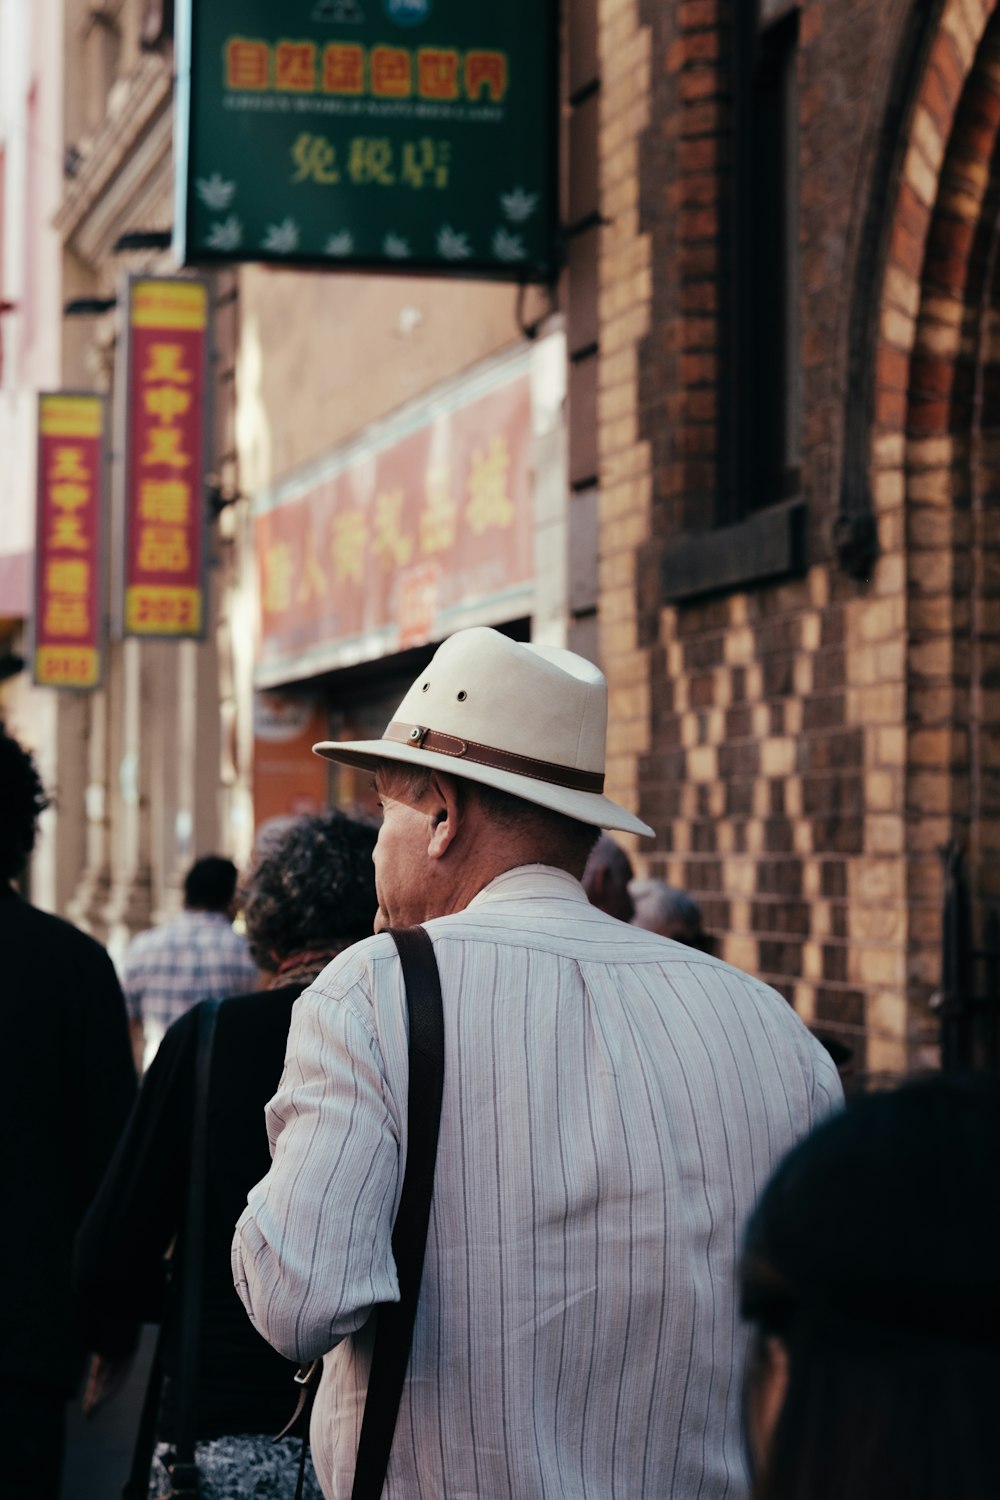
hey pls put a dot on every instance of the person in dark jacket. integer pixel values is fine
(310, 896)
(68, 1085)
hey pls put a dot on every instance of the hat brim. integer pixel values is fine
(586, 807)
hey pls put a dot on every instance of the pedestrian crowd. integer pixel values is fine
(471, 1160)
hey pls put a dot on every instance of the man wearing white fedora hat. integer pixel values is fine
(612, 1104)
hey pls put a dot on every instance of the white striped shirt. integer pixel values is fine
(613, 1103)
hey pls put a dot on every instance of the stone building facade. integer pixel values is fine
(31, 331)
(150, 782)
(800, 527)
(156, 766)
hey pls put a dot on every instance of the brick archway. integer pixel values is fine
(933, 364)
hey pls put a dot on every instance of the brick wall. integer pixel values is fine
(802, 747)
(936, 358)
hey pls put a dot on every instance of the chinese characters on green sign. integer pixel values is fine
(406, 134)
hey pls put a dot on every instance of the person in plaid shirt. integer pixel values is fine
(196, 957)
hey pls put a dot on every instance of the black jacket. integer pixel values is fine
(244, 1386)
(68, 1084)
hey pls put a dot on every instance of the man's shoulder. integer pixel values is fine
(756, 1019)
(354, 967)
(227, 940)
(566, 929)
(206, 926)
(591, 941)
(153, 942)
(212, 933)
(189, 932)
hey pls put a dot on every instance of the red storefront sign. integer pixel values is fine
(402, 541)
(68, 616)
(165, 452)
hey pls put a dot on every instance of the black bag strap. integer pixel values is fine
(394, 1330)
(136, 1487)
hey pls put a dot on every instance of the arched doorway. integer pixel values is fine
(937, 429)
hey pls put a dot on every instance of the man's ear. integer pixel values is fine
(445, 811)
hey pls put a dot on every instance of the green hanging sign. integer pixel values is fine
(408, 135)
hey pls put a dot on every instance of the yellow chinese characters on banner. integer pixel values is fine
(371, 161)
(165, 465)
(69, 612)
(442, 75)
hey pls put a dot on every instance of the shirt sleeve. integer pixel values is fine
(312, 1254)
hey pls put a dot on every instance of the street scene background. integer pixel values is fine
(662, 330)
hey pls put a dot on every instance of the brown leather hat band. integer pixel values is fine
(420, 738)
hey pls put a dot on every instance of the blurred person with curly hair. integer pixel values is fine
(68, 1085)
(309, 895)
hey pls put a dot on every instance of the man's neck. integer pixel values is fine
(471, 882)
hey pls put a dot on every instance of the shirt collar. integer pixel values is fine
(531, 880)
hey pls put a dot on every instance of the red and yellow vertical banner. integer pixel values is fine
(165, 457)
(69, 550)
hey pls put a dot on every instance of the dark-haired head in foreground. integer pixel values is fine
(872, 1278)
(312, 890)
(22, 802)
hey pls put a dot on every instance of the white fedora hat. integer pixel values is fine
(529, 720)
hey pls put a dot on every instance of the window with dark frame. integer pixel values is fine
(764, 352)
(758, 530)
